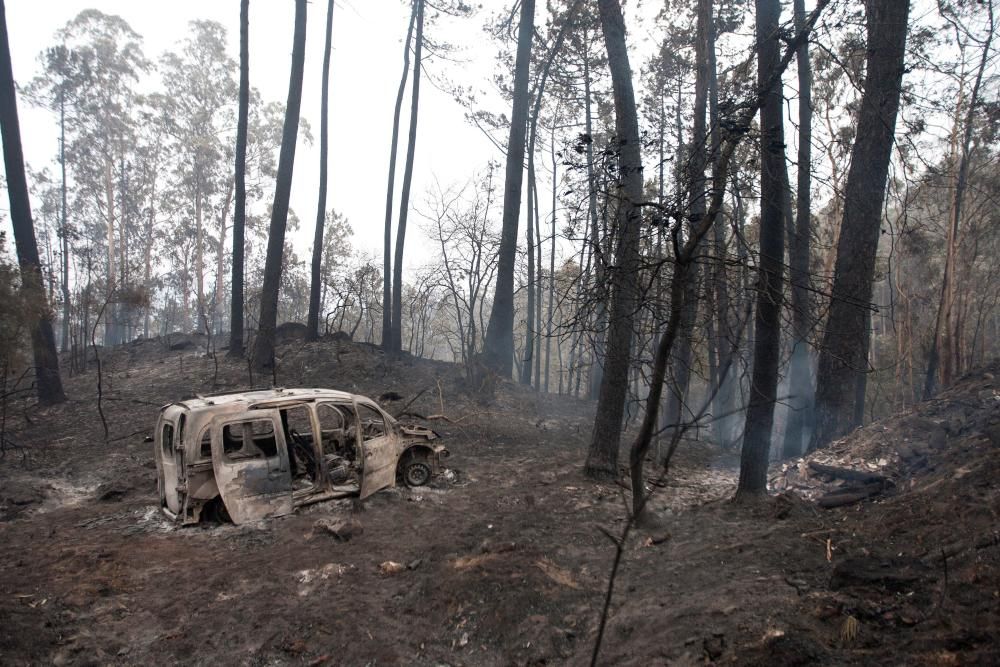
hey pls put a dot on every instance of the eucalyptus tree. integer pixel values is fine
(101, 138)
(201, 90)
(63, 74)
(945, 349)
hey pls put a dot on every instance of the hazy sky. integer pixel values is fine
(365, 70)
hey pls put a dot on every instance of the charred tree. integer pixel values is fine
(43, 343)
(696, 205)
(498, 348)
(390, 191)
(841, 358)
(312, 323)
(263, 349)
(736, 128)
(532, 351)
(767, 324)
(396, 342)
(236, 343)
(800, 382)
(602, 457)
(531, 331)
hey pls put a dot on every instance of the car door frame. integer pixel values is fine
(170, 467)
(253, 489)
(379, 456)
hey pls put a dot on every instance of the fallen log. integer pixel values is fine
(851, 495)
(862, 476)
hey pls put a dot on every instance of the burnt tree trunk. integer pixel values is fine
(599, 259)
(800, 383)
(396, 325)
(533, 329)
(498, 348)
(64, 225)
(841, 358)
(263, 349)
(393, 150)
(43, 342)
(767, 325)
(312, 323)
(531, 333)
(680, 367)
(602, 457)
(240, 214)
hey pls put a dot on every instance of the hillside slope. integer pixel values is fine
(506, 562)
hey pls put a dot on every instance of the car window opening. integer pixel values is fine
(372, 423)
(296, 422)
(338, 439)
(168, 440)
(250, 440)
(205, 451)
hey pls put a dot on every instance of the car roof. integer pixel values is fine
(257, 397)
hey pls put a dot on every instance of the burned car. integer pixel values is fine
(250, 455)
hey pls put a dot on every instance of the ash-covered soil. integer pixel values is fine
(504, 562)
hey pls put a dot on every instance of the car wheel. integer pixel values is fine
(416, 473)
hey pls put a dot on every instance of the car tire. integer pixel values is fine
(416, 473)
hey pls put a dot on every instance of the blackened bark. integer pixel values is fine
(721, 167)
(263, 349)
(602, 458)
(533, 328)
(599, 295)
(43, 343)
(393, 150)
(697, 161)
(498, 348)
(531, 333)
(552, 271)
(800, 383)
(240, 214)
(64, 224)
(767, 325)
(312, 323)
(396, 337)
(841, 358)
